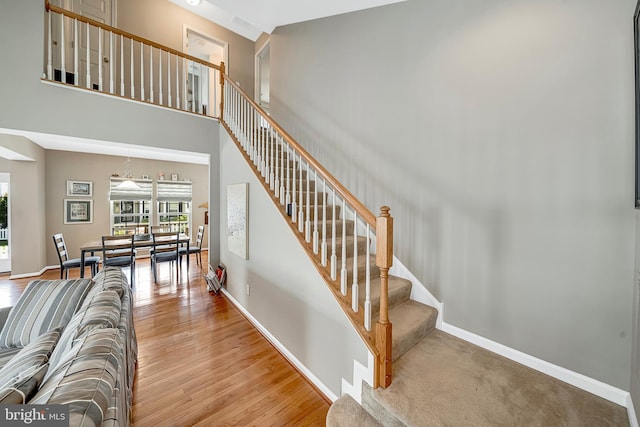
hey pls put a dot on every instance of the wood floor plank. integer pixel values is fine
(200, 360)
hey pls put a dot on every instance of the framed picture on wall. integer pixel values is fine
(80, 188)
(78, 211)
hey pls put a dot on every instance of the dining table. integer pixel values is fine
(139, 241)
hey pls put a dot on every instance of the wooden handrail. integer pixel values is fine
(49, 7)
(365, 213)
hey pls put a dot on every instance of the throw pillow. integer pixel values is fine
(22, 375)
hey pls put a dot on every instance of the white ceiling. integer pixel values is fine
(250, 18)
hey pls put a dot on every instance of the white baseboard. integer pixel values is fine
(583, 382)
(283, 350)
(419, 292)
(38, 273)
(360, 373)
(633, 419)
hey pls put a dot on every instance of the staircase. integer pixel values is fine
(438, 379)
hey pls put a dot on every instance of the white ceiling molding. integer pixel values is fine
(92, 146)
(250, 18)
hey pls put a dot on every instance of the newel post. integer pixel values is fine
(384, 260)
(222, 71)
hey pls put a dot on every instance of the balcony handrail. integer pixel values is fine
(50, 7)
(346, 194)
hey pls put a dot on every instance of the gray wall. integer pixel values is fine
(501, 135)
(64, 165)
(28, 104)
(287, 295)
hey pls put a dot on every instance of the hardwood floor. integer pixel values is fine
(200, 362)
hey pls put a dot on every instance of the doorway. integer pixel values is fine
(203, 87)
(5, 235)
(263, 76)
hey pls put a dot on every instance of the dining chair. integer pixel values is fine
(196, 249)
(119, 251)
(165, 248)
(160, 228)
(66, 263)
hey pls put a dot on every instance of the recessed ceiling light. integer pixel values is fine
(194, 2)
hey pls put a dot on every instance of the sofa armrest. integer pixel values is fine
(4, 314)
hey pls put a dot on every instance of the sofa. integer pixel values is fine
(72, 342)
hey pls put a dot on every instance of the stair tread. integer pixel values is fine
(411, 321)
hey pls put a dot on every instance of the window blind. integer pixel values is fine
(173, 191)
(145, 192)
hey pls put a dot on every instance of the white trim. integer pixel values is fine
(360, 373)
(256, 70)
(633, 420)
(37, 273)
(283, 350)
(419, 292)
(583, 382)
(185, 38)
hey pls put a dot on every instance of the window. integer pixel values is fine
(131, 209)
(174, 205)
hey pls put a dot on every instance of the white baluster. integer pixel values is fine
(111, 62)
(269, 157)
(307, 234)
(76, 61)
(287, 196)
(177, 82)
(294, 206)
(49, 49)
(334, 256)
(316, 237)
(160, 76)
(121, 65)
(88, 57)
(100, 39)
(343, 271)
(301, 202)
(215, 105)
(367, 297)
(151, 82)
(63, 59)
(131, 74)
(323, 246)
(273, 155)
(142, 72)
(265, 153)
(282, 166)
(275, 180)
(354, 286)
(185, 79)
(193, 88)
(169, 98)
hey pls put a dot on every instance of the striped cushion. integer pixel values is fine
(101, 311)
(110, 278)
(44, 305)
(20, 378)
(6, 354)
(85, 378)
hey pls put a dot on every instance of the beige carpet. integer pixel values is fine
(444, 381)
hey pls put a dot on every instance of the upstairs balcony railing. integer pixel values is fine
(88, 54)
(340, 235)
